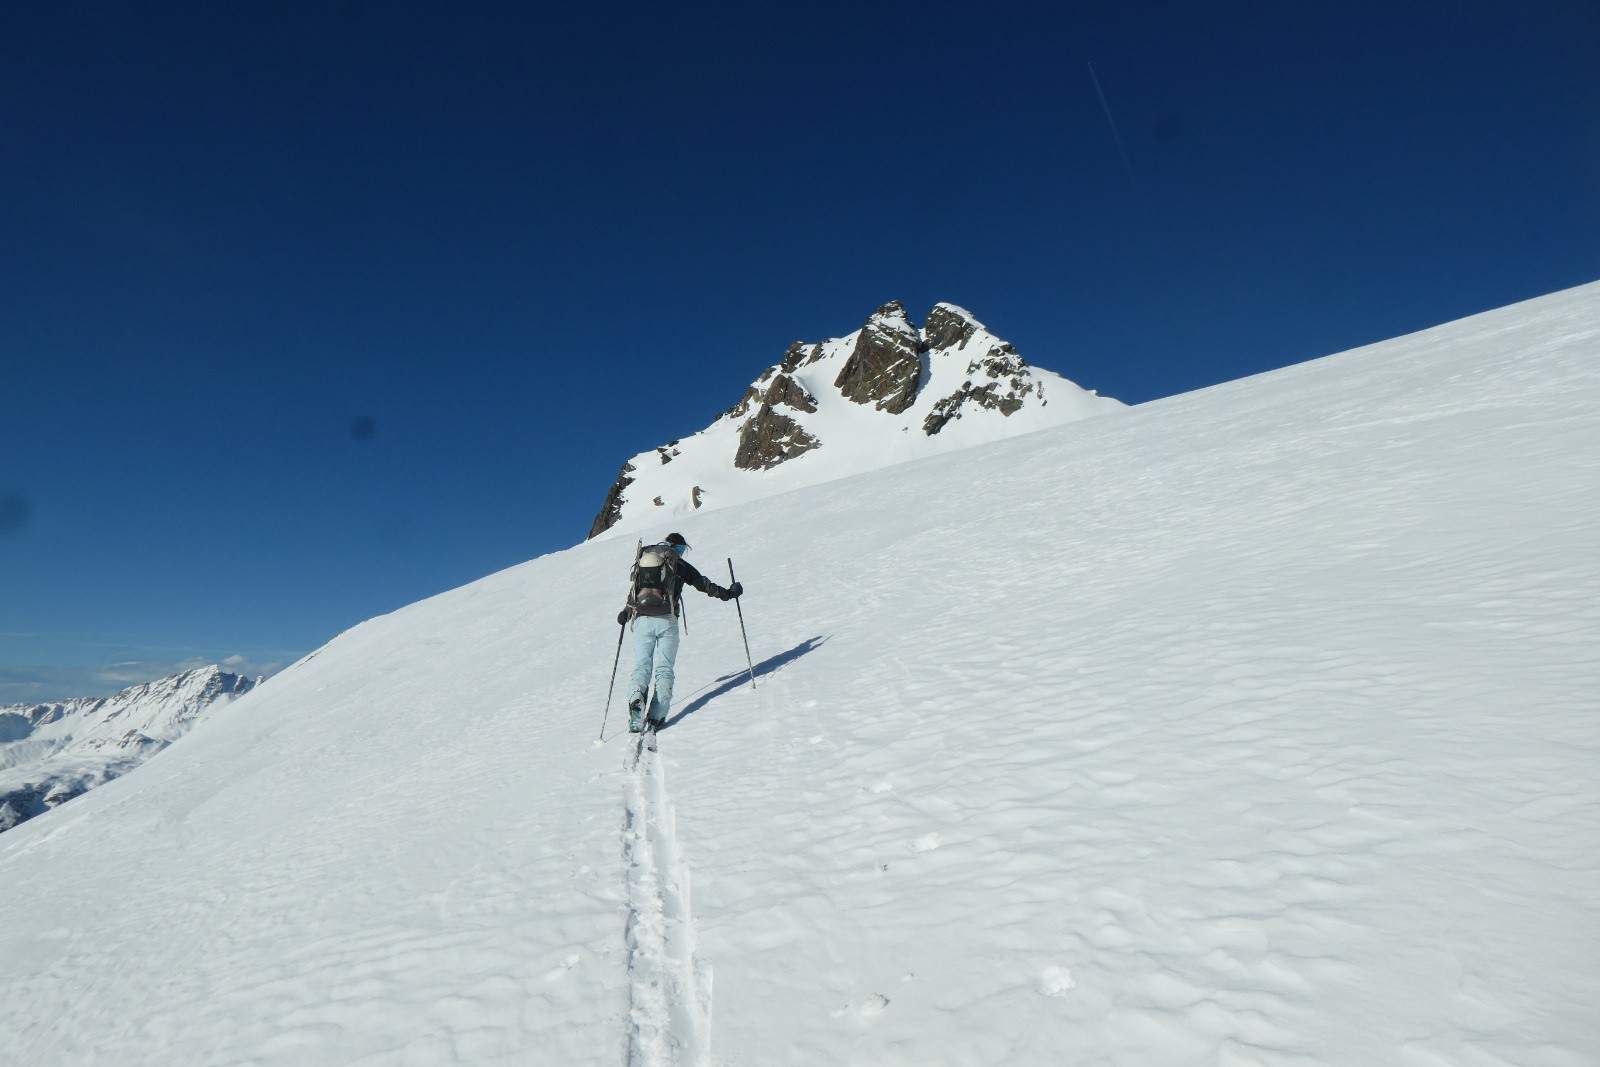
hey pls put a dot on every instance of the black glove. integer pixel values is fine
(733, 592)
(622, 616)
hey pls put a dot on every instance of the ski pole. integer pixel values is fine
(734, 581)
(621, 630)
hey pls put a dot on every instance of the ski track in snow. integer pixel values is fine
(669, 988)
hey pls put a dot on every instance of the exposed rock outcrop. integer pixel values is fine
(769, 439)
(798, 355)
(886, 366)
(611, 510)
(948, 327)
(785, 390)
(997, 382)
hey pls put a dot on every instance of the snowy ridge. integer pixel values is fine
(51, 753)
(887, 393)
(1252, 726)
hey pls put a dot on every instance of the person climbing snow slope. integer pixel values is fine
(654, 604)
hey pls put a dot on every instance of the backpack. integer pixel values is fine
(655, 581)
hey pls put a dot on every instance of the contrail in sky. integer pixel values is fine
(1123, 152)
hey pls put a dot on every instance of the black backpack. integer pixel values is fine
(655, 581)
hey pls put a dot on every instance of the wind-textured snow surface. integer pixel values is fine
(1254, 726)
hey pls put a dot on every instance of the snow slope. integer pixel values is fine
(1254, 726)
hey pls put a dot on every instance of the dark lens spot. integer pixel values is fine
(15, 512)
(362, 428)
(1167, 128)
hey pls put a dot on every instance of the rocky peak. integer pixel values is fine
(886, 365)
(949, 326)
(892, 317)
(882, 394)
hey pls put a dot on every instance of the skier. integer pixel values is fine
(654, 604)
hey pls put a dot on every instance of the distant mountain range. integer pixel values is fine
(50, 753)
(889, 392)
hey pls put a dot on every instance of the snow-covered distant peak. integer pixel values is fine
(887, 393)
(52, 752)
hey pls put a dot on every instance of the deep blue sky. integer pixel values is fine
(308, 311)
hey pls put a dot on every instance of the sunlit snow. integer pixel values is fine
(1253, 726)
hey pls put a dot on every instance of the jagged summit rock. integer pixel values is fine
(950, 327)
(885, 365)
(886, 393)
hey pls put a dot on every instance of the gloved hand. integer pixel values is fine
(734, 591)
(622, 616)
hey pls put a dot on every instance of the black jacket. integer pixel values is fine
(684, 573)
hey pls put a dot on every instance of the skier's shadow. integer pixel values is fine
(728, 683)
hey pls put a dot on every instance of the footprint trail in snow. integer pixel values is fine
(669, 989)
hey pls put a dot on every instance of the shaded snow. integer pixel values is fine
(1253, 726)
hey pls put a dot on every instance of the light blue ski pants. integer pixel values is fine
(655, 640)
